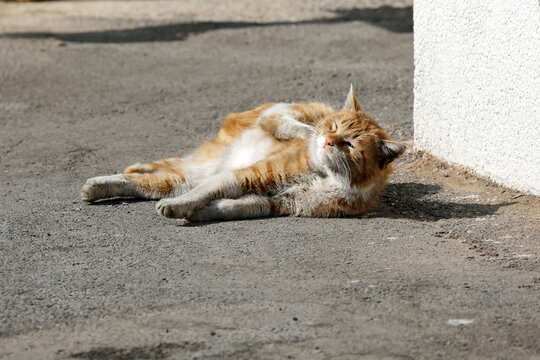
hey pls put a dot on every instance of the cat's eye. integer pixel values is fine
(348, 144)
(333, 127)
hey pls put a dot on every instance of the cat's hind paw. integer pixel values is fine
(91, 191)
(177, 208)
(106, 187)
(139, 168)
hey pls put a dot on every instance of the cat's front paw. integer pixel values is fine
(177, 208)
(305, 132)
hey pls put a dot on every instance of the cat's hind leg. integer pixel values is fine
(171, 163)
(153, 180)
(249, 206)
(154, 185)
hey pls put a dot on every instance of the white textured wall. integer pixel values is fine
(477, 86)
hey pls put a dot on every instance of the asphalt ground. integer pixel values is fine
(445, 265)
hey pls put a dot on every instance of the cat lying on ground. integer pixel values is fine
(278, 159)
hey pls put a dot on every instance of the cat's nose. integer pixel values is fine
(328, 142)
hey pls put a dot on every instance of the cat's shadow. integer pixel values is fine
(118, 201)
(414, 201)
(420, 202)
(409, 200)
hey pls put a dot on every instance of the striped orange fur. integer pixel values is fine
(279, 159)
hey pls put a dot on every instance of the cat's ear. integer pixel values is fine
(352, 103)
(390, 151)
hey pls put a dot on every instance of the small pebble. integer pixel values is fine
(457, 322)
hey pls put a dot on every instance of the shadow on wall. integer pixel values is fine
(399, 20)
(410, 201)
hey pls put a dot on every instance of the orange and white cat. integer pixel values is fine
(278, 159)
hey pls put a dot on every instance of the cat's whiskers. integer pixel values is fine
(346, 169)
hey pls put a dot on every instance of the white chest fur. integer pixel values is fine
(254, 145)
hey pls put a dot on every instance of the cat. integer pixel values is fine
(302, 159)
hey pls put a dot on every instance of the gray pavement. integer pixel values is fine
(444, 266)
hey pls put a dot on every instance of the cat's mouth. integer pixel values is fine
(325, 148)
(330, 156)
(321, 146)
(325, 152)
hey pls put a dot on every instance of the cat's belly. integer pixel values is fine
(254, 145)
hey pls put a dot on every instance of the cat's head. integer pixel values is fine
(352, 144)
